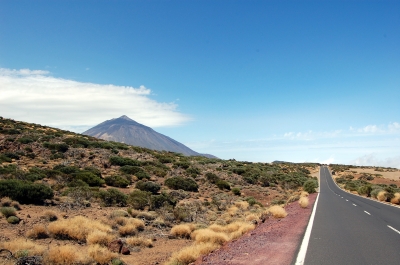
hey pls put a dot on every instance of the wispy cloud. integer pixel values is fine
(373, 159)
(391, 128)
(36, 96)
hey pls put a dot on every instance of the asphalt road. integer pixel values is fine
(349, 229)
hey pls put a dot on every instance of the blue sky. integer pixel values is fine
(252, 80)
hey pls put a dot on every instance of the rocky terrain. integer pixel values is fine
(68, 198)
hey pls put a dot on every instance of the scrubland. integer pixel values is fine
(65, 197)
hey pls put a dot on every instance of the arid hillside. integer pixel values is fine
(68, 198)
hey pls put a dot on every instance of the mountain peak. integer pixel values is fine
(125, 118)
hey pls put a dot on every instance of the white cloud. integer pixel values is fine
(35, 96)
(373, 160)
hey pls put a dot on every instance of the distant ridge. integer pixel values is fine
(128, 131)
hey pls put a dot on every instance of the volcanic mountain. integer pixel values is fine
(128, 131)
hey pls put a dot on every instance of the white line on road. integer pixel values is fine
(367, 212)
(354, 204)
(347, 200)
(304, 245)
(397, 231)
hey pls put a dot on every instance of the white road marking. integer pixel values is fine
(367, 212)
(397, 231)
(304, 245)
(354, 204)
(347, 200)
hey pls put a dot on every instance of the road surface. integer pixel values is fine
(349, 229)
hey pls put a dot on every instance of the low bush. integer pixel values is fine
(101, 255)
(158, 201)
(124, 161)
(113, 197)
(13, 220)
(191, 253)
(25, 192)
(236, 191)
(100, 238)
(211, 177)
(8, 211)
(310, 186)
(182, 230)
(63, 255)
(139, 199)
(223, 185)
(180, 183)
(117, 181)
(91, 179)
(149, 186)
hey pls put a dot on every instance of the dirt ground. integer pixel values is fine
(275, 241)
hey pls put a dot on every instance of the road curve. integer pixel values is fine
(349, 229)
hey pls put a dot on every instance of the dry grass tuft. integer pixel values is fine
(278, 211)
(5, 202)
(182, 230)
(77, 228)
(65, 255)
(381, 196)
(50, 215)
(37, 232)
(209, 236)
(304, 194)
(233, 210)
(303, 202)
(101, 254)
(251, 217)
(396, 198)
(100, 238)
(127, 230)
(190, 254)
(243, 205)
(23, 244)
(139, 242)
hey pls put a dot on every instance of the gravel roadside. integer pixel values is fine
(276, 241)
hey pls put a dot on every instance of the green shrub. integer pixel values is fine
(117, 181)
(149, 186)
(66, 169)
(63, 147)
(236, 191)
(139, 199)
(112, 197)
(180, 183)
(238, 170)
(13, 220)
(25, 140)
(252, 201)
(8, 211)
(123, 161)
(25, 192)
(142, 175)
(211, 177)
(89, 178)
(132, 170)
(193, 171)
(310, 186)
(223, 185)
(182, 164)
(158, 201)
(365, 190)
(4, 158)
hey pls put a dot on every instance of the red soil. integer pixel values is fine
(276, 241)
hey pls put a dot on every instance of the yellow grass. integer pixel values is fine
(77, 228)
(304, 194)
(23, 244)
(243, 205)
(99, 237)
(101, 254)
(277, 211)
(139, 242)
(381, 196)
(50, 215)
(127, 230)
(182, 230)
(5, 202)
(37, 232)
(396, 199)
(190, 254)
(251, 217)
(303, 202)
(65, 255)
(233, 210)
(209, 236)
